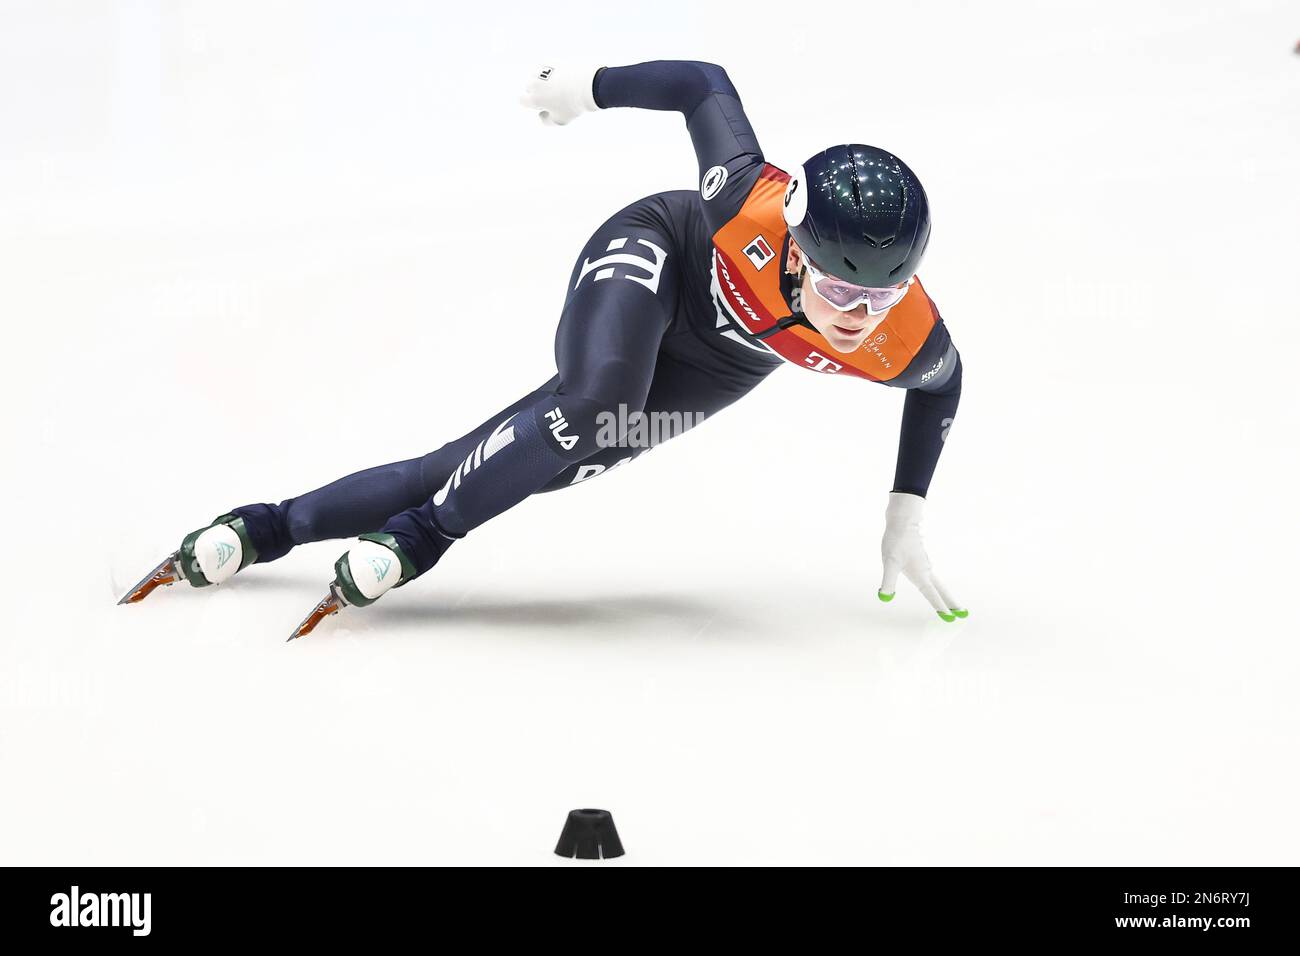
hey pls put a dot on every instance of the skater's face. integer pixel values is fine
(845, 331)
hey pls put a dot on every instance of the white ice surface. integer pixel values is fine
(222, 225)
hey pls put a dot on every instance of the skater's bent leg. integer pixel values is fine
(606, 348)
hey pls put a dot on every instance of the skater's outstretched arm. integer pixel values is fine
(726, 148)
(702, 93)
(933, 383)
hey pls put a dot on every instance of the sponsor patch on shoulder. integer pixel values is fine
(713, 181)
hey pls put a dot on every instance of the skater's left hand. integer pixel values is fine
(560, 94)
(903, 550)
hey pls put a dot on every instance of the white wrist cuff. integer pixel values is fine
(904, 507)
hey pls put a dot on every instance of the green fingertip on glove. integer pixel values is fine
(949, 615)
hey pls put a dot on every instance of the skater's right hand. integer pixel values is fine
(902, 550)
(560, 94)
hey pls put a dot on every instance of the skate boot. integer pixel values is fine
(368, 569)
(210, 555)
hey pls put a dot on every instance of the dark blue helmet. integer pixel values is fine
(860, 214)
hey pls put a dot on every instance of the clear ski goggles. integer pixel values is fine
(846, 296)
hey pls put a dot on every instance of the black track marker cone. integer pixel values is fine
(589, 835)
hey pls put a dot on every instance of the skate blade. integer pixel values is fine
(327, 606)
(167, 572)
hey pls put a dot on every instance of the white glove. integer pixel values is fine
(903, 550)
(561, 94)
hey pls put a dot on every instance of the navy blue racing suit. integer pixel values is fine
(647, 334)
